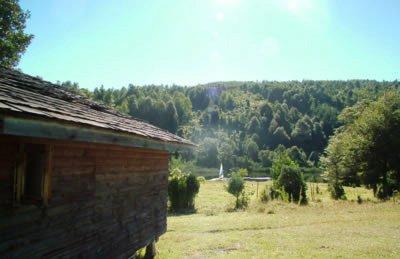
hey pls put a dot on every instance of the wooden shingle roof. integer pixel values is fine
(24, 95)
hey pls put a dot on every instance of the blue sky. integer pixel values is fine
(186, 42)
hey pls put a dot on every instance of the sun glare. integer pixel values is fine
(298, 6)
(228, 2)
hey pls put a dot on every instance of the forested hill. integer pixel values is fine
(241, 124)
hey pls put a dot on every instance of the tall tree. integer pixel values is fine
(369, 145)
(13, 39)
(208, 153)
(171, 117)
(251, 149)
(302, 134)
(280, 137)
(332, 162)
(133, 108)
(254, 125)
(266, 111)
(183, 107)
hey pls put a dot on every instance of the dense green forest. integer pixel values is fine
(245, 124)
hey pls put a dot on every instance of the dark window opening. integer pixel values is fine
(31, 181)
(34, 172)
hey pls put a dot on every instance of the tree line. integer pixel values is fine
(245, 124)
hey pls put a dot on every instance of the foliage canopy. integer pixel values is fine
(365, 150)
(13, 39)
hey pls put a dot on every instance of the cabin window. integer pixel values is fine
(32, 174)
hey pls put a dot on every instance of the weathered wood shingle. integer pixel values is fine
(22, 94)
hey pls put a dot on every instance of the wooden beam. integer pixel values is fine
(38, 128)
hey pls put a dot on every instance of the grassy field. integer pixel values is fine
(324, 228)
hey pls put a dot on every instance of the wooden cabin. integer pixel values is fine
(77, 180)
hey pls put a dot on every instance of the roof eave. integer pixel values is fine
(41, 128)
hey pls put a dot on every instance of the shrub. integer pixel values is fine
(291, 181)
(181, 164)
(182, 190)
(284, 196)
(337, 191)
(274, 193)
(314, 190)
(396, 196)
(243, 201)
(265, 195)
(383, 191)
(243, 172)
(201, 179)
(270, 193)
(359, 199)
(281, 160)
(192, 189)
(236, 188)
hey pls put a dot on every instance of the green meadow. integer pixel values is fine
(324, 228)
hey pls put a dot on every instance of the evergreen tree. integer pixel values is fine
(280, 137)
(266, 111)
(302, 133)
(254, 125)
(133, 109)
(183, 107)
(251, 149)
(171, 117)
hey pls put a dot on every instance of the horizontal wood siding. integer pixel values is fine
(106, 202)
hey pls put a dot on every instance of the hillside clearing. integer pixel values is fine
(324, 228)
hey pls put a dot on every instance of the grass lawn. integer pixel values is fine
(324, 228)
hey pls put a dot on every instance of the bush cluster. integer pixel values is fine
(291, 182)
(236, 186)
(270, 193)
(182, 190)
(384, 191)
(337, 191)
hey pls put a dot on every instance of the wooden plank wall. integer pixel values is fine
(106, 202)
(8, 153)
